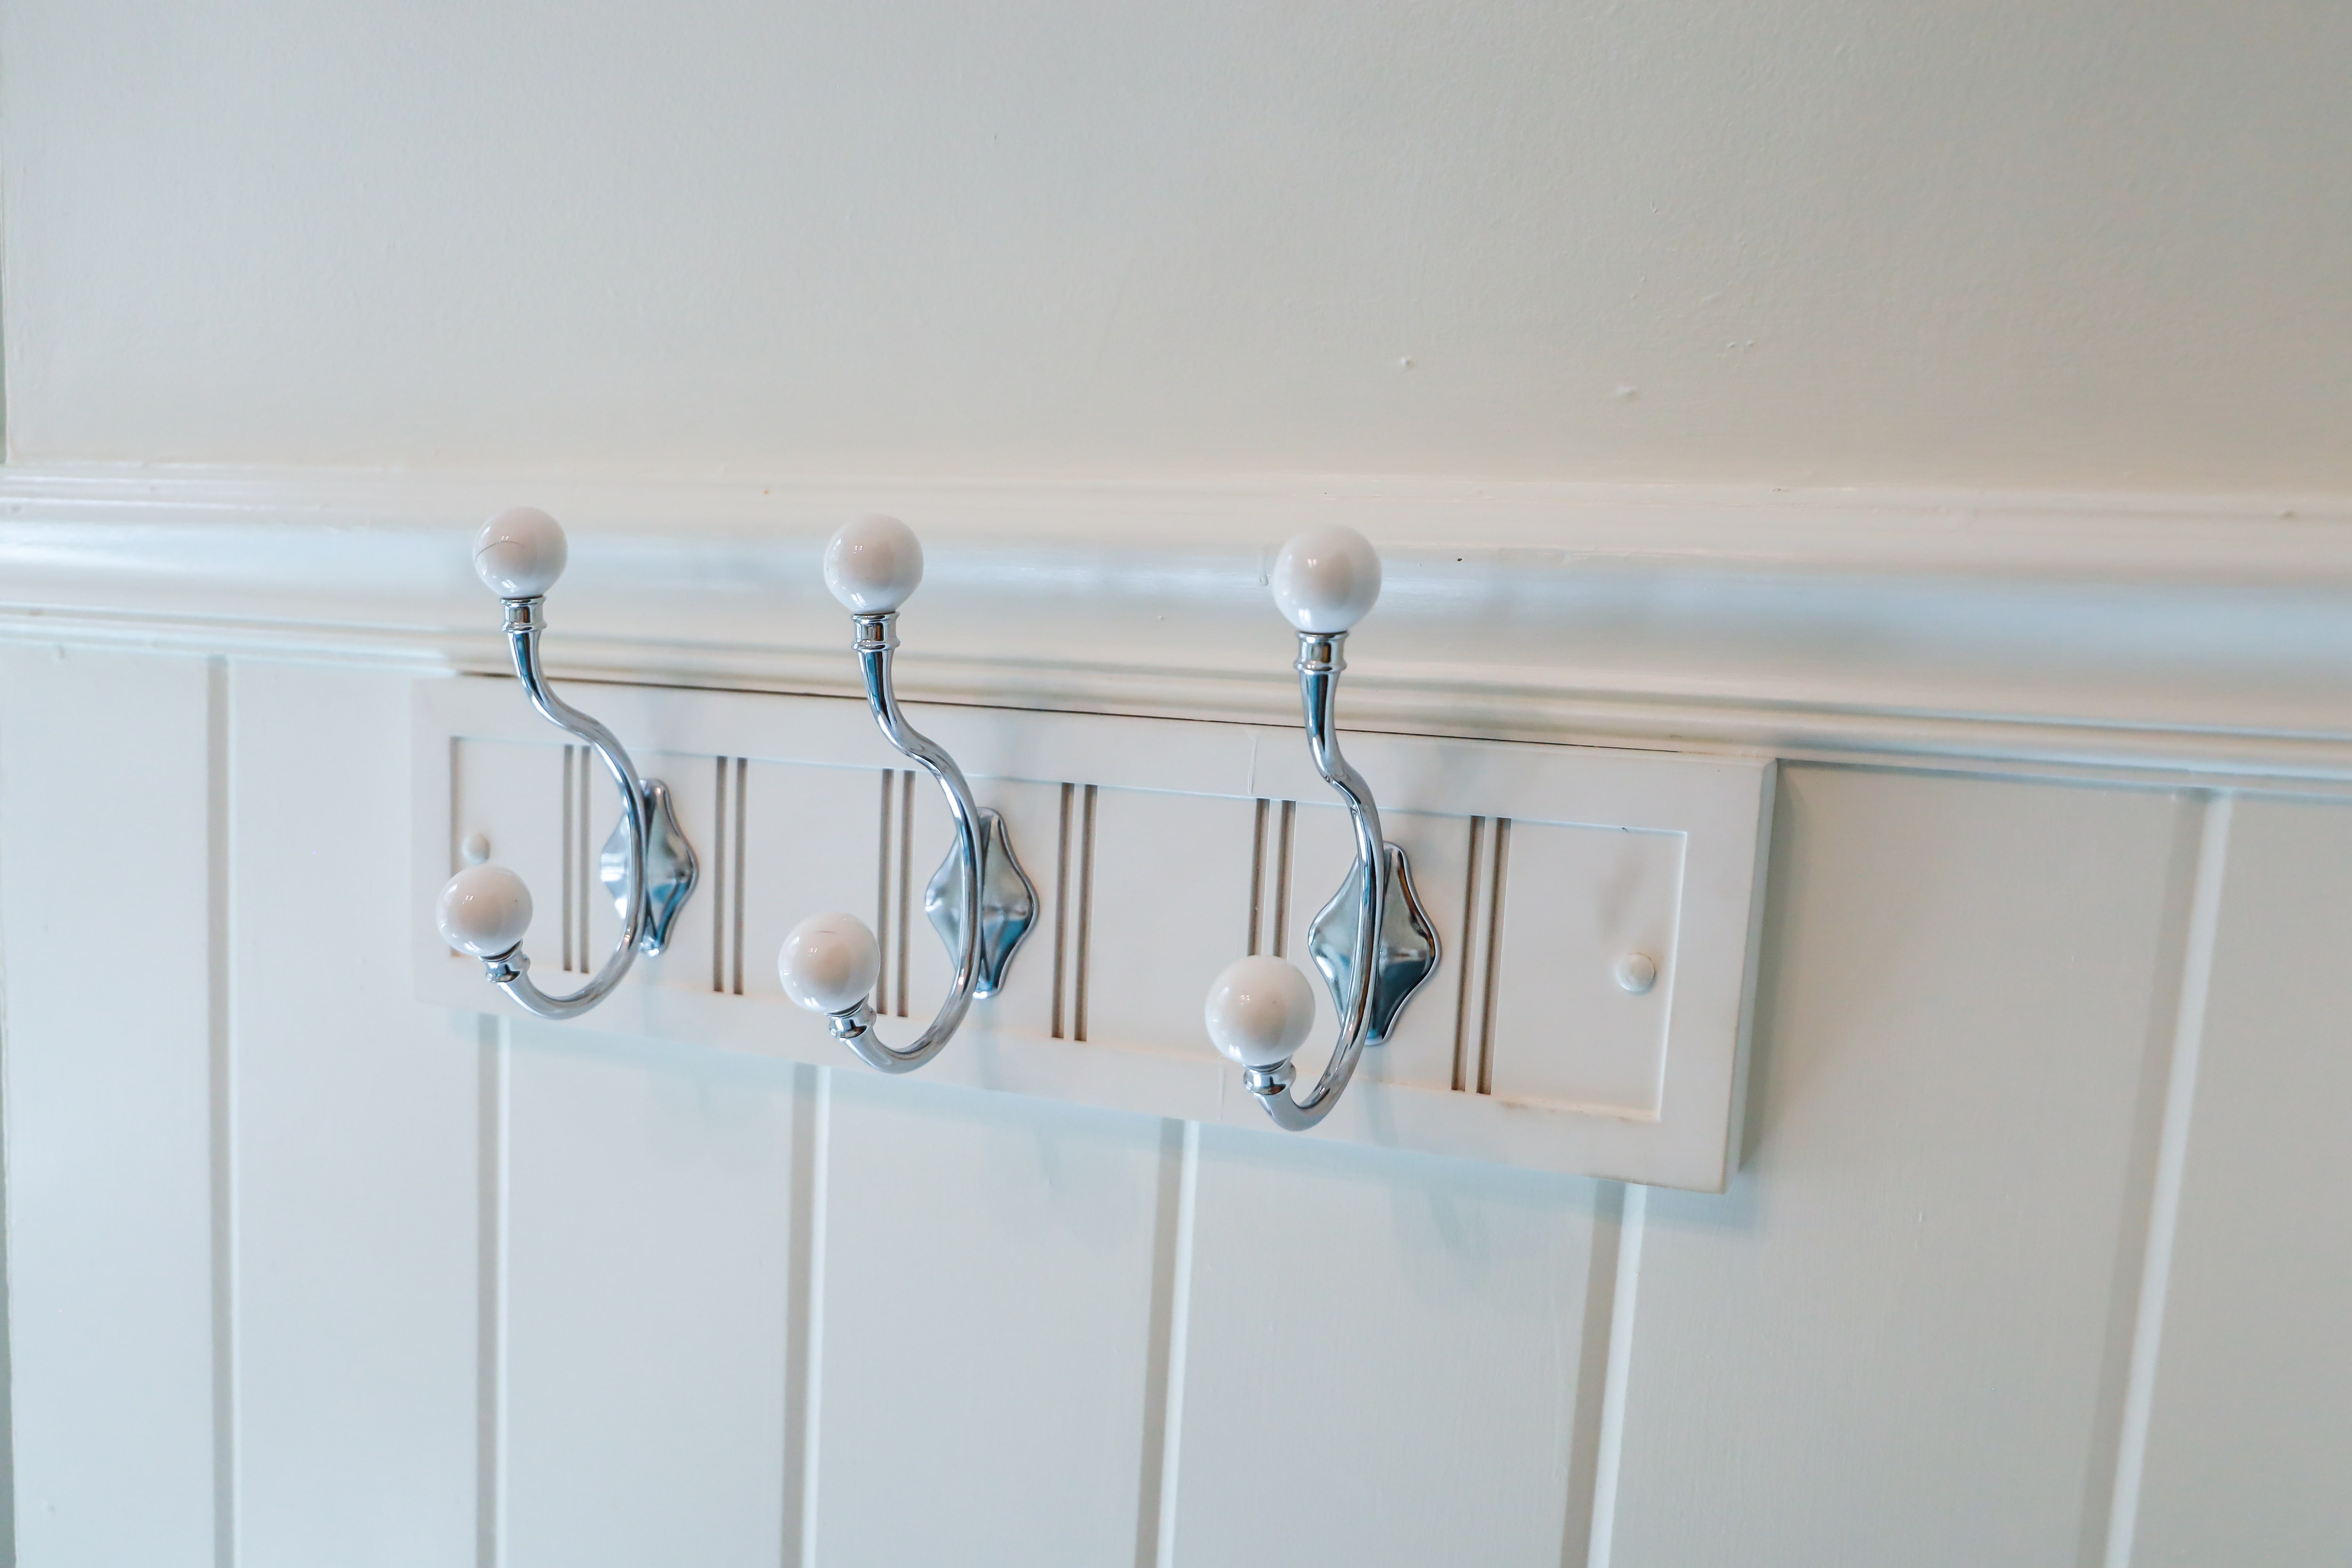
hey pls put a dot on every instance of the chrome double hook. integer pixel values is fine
(1372, 941)
(648, 864)
(981, 899)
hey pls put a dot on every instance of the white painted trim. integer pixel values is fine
(2200, 637)
(1690, 1034)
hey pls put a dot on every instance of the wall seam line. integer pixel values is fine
(220, 912)
(490, 1287)
(813, 1399)
(1608, 1456)
(1179, 1327)
(2172, 1166)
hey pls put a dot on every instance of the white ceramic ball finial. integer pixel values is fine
(829, 962)
(1259, 1011)
(521, 552)
(484, 910)
(874, 564)
(1327, 580)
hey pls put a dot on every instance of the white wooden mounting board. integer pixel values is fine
(1161, 850)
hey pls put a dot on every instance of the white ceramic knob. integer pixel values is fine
(1327, 580)
(1259, 1011)
(521, 552)
(874, 564)
(829, 962)
(484, 910)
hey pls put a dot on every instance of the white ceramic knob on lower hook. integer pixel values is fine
(1259, 1011)
(829, 962)
(1327, 580)
(521, 552)
(484, 910)
(874, 564)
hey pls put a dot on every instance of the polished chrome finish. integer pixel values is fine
(851, 1023)
(1273, 1080)
(1407, 954)
(649, 881)
(669, 867)
(1008, 902)
(1360, 911)
(960, 907)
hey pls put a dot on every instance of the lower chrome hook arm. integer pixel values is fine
(981, 899)
(648, 864)
(1372, 942)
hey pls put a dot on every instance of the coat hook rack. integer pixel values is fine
(1372, 942)
(646, 865)
(980, 900)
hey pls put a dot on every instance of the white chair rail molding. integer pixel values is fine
(1537, 955)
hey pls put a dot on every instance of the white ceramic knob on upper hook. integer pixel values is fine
(829, 962)
(874, 564)
(484, 910)
(1327, 580)
(1259, 1011)
(521, 552)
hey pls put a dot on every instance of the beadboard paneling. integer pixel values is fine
(588, 1299)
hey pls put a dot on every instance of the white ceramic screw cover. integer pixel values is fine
(874, 564)
(521, 552)
(829, 962)
(484, 910)
(1259, 1011)
(1327, 580)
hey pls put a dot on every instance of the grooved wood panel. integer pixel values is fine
(2249, 1457)
(354, 1149)
(1382, 1359)
(106, 887)
(985, 1287)
(647, 1219)
(1890, 1341)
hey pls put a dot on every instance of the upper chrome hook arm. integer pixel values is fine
(1319, 663)
(485, 909)
(830, 962)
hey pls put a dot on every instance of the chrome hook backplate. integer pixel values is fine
(669, 867)
(1008, 901)
(1402, 960)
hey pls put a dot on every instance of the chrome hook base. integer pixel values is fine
(1008, 902)
(1402, 960)
(646, 866)
(1372, 941)
(981, 901)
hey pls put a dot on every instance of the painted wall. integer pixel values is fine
(2082, 244)
(2041, 1253)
